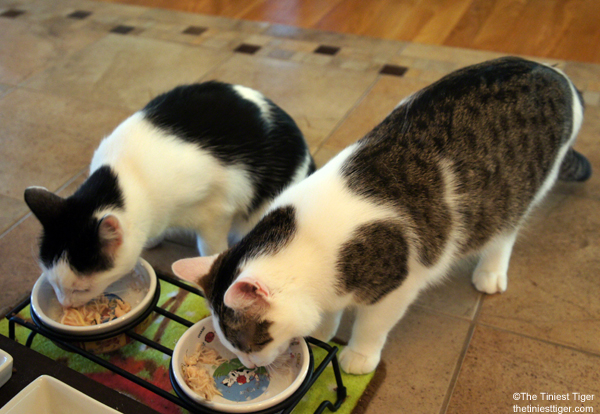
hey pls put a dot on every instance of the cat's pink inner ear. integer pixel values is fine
(194, 269)
(247, 293)
(111, 234)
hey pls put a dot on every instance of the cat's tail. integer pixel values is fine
(575, 167)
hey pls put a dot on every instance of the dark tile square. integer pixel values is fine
(246, 48)
(195, 30)
(393, 70)
(327, 50)
(12, 13)
(121, 29)
(79, 14)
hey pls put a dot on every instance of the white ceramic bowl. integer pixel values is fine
(6, 365)
(136, 288)
(47, 395)
(257, 390)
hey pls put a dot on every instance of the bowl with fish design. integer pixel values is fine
(204, 372)
(99, 325)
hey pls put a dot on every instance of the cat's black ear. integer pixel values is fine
(46, 206)
(110, 233)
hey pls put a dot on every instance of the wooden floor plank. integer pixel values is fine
(496, 33)
(561, 29)
(581, 40)
(471, 23)
(295, 13)
(350, 16)
(537, 28)
(446, 17)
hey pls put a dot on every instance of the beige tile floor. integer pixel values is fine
(65, 82)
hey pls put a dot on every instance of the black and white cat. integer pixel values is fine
(454, 169)
(207, 157)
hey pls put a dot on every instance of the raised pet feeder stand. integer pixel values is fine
(67, 342)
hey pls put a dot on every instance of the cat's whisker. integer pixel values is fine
(280, 365)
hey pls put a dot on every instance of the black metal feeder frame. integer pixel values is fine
(180, 399)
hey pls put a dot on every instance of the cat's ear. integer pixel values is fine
(110, 233)
(195, 270)
(46, 206)
(247, 293)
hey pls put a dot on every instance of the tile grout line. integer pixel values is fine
(461, 359)
(11, 228)
(544, 341)
(72, 179)
(24, 84)
(61, 188)
(442, 313)
(474, 323)
(75, 97)
(321, 144)
(207, 76)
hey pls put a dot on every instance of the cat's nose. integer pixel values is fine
(65, 302)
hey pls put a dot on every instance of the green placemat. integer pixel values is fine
(153, 366)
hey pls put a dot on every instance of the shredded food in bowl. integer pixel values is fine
(100, 310)
(196, 375)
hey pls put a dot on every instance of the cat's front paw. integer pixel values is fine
(355, 363)
(490, 282)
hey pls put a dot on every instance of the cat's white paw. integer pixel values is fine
(490, 282)
(355, 363)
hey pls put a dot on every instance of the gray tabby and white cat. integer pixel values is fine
(207, 157)
(454, 169)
